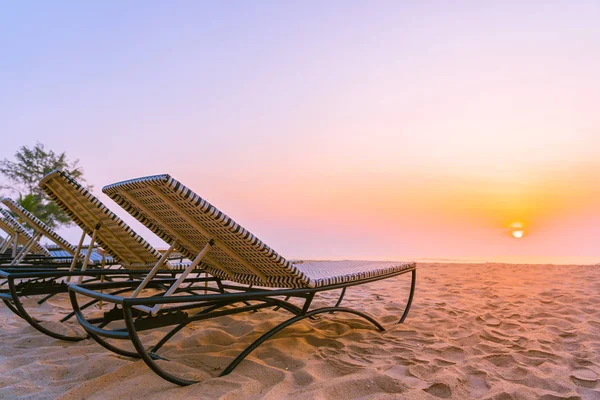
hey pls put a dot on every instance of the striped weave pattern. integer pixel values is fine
(176, 213)
(114, 235)
(12, 226)
(62, 256)
(39, 226)
(324, 273)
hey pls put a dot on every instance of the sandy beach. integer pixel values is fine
(489, 331)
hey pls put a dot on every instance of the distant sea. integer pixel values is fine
(574, 260)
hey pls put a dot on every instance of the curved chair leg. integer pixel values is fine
(113, 348)
(33, 322)
(102, 342)
(148, 359)
(292, 321)
(339, 299)
(12, 308)
(413, 281)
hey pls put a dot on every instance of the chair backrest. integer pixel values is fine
(39, 226)
(114, 235)
(12, 226)
(176, 213)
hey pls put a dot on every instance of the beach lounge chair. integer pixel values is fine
(132, 254)
(234, 256)
(22, 242)
(71, 253)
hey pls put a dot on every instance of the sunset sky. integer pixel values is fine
(380, 130)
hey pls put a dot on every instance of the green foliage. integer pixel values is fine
(47, 211)
(25, 173)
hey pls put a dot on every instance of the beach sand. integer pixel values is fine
(490, 331)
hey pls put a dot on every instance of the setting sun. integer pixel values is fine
(517, 230)
(518, 234)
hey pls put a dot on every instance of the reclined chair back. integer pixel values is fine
(19, 237)
(40, 227)
(105, 228)
(199, 230)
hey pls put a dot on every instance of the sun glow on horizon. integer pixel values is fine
(518, 234)
(517, 230)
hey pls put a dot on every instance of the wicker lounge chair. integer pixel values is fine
(234, 256)
(70, 253)
(130, 252)
(21, 241)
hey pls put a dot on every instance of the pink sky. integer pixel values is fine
(338, 131)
